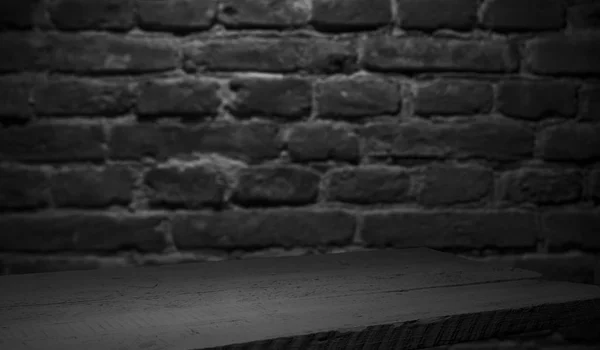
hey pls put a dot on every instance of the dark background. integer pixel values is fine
(139, 132)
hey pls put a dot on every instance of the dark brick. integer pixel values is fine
(527, 15)
(535, 100)
(109, 53)
(340, 15)
(288, 98)
(92, 187)
(564, 54)
(443, 97)
(252, 14)
(176, 15)
(277, 185)
(572, 228)
(15, 95)
(541, 186)
(356, 97)
(86, 232)
(250, 142)
(81, 97)
(18, 13)
(92, 14)
(179, 97)
(584, 16)
(419, 139)
(52, 143)
(415, 54)
(189, 186)
(595, 184)
(575, 142)
(23, 188)
(319, 142)
(368, 185)
(475, 229)
(444, 184)
(436, 14)
(263, 228)
(21, 51)
(492, 138)
(145, 140)
(277, 54)
(590, 102)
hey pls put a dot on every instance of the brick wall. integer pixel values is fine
(145, 131)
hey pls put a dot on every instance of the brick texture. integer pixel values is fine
(176, 15)
(437, 14)
(321, 142)
(449, 229)
(263, 228)
(351, 98)
(541, 186)
(251, 14)
(445, 184)
(453, 97)
(410, 54)
(535, 100)
(526, 15)
(276, 185)
(367, 185)
(296, 125)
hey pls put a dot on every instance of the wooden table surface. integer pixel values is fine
(411, 298)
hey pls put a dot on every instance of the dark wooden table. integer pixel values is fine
(403, 299)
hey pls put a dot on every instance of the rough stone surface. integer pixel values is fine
(437, 14)
(416, 54)
(92, 187)
(264, 14)
(287, 98)
(367, 185)
(435, 229)
(176, 15)
(357, 97)
(320, 142)
(15, 96)
(251, 142)
(490, 138)
(83, 97)
(50, 143)
(535, 100)
(590, 103)
(529, 15)
(541, 186)
(187, 187)
(277, 185)
(92, 14)
(564, 54)
(442, 97)
(273, 55)
(579, 228)
(108, 53)
(595, 185)
(263, 228)
(572, 142)
(445, 184)
(23, 188)
(343, 15)
(179, 97)
(83, 232)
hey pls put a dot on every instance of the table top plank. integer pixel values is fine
(203, 305)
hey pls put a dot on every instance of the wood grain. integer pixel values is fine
(410, 298)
